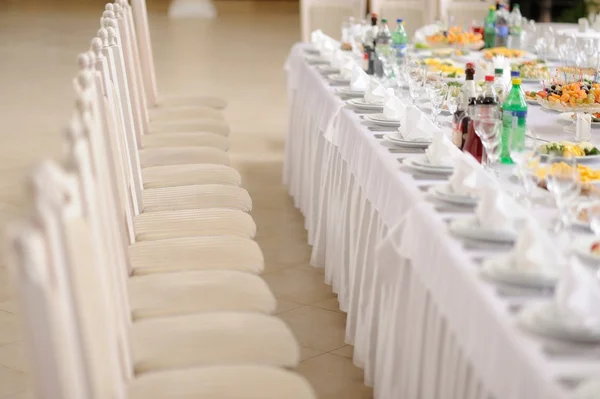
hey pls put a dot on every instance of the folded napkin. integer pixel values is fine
(316, 37)
(497, 210)
(359, 80)
(583, 127)
(375, 93)
(328, 48)
(536, 251)
(408, 125)
(577, 296)
(468, 176)
(439, 152)
(393, 108)
(338, 59)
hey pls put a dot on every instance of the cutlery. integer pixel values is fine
(570, 382)
(452, 209)
(406, 151)
(572, 350)
(378, 136)
(507, 291)
(473, 245)
(382, 129)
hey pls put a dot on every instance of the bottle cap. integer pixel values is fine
(470, 65)
(516, 81)
(492, 8)
(374, 15)
(365, 56)
(384, 21)
(399, 20)
(515, 74)
(489, 78)
(498, 70)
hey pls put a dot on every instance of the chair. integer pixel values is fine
(88, 366)
(414, 13)
(328, 15)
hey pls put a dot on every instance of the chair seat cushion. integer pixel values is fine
(190, 125)
(193, 222)
(222, 382)
(181, 156)
(196, 253)
(173, 294)
(196, 197)
(201, 139)
(185, 175)
(215, 338)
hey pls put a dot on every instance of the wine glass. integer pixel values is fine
(437, 92)
(452, 99)
(415, 77)
(522, 150)
(589, 49)
(488, 128)
(562, 180)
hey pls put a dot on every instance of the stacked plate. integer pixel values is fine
(338, 79)
(316, 60)
(504, 270)
(444, 192)
(382, 120)
(422, 164)
(470, 228)
(348, 92)
(397, 139)
(360, 103)
(326, 69)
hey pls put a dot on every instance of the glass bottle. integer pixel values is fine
(459, 131)
(489, 28)
(514, 119)
(369, 45)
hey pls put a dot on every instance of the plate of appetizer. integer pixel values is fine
(582, 152)
(577, 96)
(513, 54)
(570, 117)
(532, 71)
(456, 37)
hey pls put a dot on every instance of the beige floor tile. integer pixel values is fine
(9, 328)
(12, 382)
(13, 356)
(345, 351)
(329, 304)
(284, 306)
(317, 328)
(298, 285)
(308, 353)
(335, 377)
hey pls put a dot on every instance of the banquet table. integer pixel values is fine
(423, 322)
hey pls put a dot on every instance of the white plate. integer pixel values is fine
(501, 270)
(337, 78)
(424, 162)
(327, 70)
(566, 117)
(582, 247)
(532, 102)
(316, 60)
(360, 103)
(421, 164)
(544, 319)
(381, 120)
(588, 390)
(469, 228)
(346, 91)
(397, 139)
(444, 193)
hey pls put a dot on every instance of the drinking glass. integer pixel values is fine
(489, 130)
(437, 92)
(589, 50)
(416, 79)
(562, 180)
(522, 151)
(452, 99)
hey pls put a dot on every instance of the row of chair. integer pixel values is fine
(136, 268)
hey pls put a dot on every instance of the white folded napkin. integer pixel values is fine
(577, 296)
(468, 176)
(338, 59)
(359, 80)
(328, 48)
(439, 152)
(497, 210)
(393, 108)
(316, 37)
(408, 125)
(375, 93)
(535, 251)
(583, 127)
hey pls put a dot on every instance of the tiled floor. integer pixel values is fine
(240, 57)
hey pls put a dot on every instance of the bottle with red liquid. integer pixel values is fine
(459, 130)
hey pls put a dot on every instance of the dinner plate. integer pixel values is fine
(444, 192)
(582, 247)
(566, 117)
(531, 101)
(346, 91)
(316, 60)
(418, 164)
(360, 103)
(585, 159)
(424, 162)
(312, 51)
(381, 120)
(588, 390)
(502, 270)
(337, 78)
(327, 70)
(468, 227)
(545, 319)
(397, 139)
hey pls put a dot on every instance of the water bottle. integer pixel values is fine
(383, 46)
(400, 41)
(501, 27)
(514, 119)
(515, 30)
(489, 28)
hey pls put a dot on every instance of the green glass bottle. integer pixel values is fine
(489, 28)
(514, 119)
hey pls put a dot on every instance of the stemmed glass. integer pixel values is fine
(588, 49)
(488, 127)
(437, 92)
(523, 152)
(562, 180)
(452, 99)
(415, 77)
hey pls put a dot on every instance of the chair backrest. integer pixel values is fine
(56, 359)
(414, 13)
(328, 15)
(140, 17)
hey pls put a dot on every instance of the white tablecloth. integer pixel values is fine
(422, 321)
